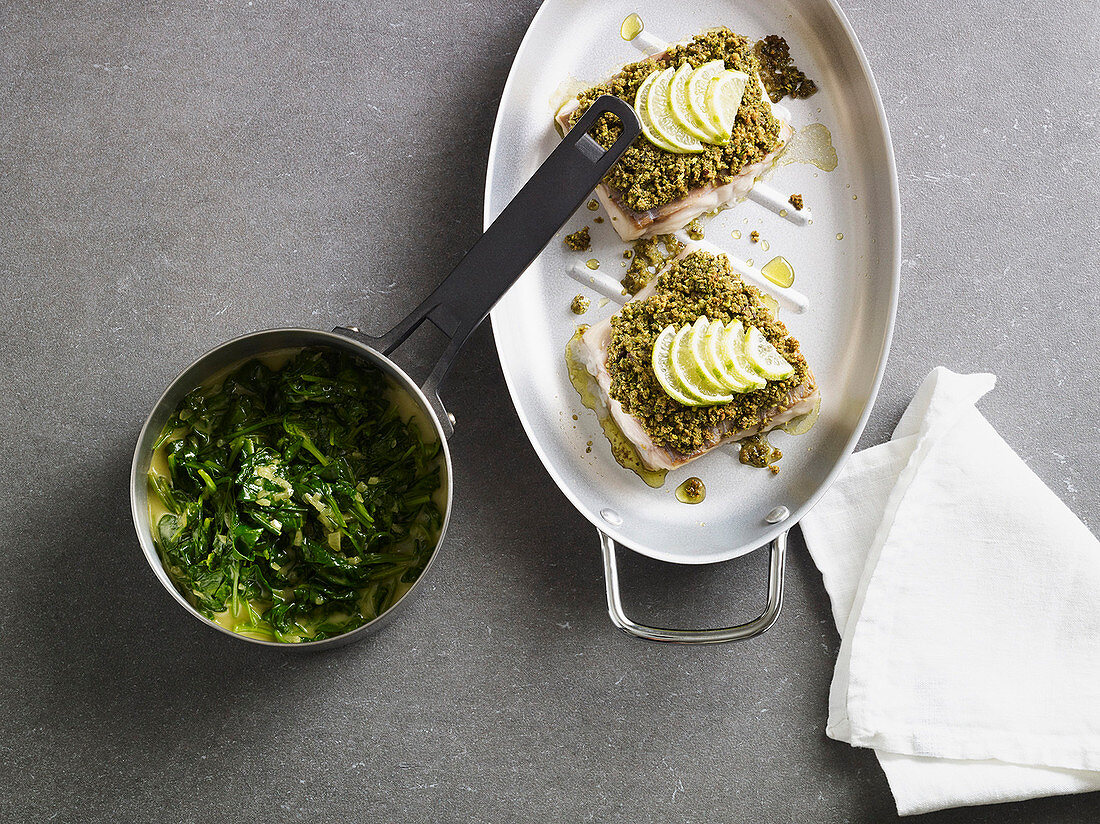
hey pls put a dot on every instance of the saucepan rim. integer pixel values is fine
(192, 377)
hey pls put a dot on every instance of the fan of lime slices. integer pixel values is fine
(683, 109)
(706, 362)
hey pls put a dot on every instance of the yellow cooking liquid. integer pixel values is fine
(593, 263)
(779, 271)
(621, 448)
(631, 27)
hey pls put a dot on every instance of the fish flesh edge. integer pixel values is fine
(591, 351)
(677, 214)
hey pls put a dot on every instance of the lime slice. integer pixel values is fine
(732, 349)
(643, 115)
(687, 372)
(717, 361)
(662, 366)
(698, 83)
(659, 107)
(764, 357)
(723, 100)
(678, 96)
(698, 339)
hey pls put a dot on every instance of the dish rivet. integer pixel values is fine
(612, 517)
(451, 418)
(354, 328)
(780, 513)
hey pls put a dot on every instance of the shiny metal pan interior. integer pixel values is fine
(846, 260)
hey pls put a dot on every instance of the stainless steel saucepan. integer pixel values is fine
(456, 307)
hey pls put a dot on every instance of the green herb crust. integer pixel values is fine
(697, 284)
(299, 502)
(647, 177)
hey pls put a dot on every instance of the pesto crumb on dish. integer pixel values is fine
(758, 451)
(697, 285)
(797, 202)
(646, 176)
(580, 240)
(781, 77)
(647, 257)
(580, 305)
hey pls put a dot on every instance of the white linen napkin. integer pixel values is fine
(967, 596)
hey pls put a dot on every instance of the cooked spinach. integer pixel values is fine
(299, 503)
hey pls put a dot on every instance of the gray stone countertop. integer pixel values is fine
(174, 174)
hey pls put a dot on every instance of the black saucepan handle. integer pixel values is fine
(514, 240)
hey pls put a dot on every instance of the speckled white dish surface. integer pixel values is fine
(851, 283)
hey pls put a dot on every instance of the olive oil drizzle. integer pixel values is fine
(621, 448)
(812, 144)
(779, 271)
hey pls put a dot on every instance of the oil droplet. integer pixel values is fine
(736, 234)
(595, 264)
(855, 197)
(691, 491)
(748, 262)
(811, 144)
(765, 245)
(593, 205)
(779, 271)
(840, 235)
(631, 27)
(782, 212)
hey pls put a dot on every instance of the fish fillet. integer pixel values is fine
(677, 214)
(591, 350)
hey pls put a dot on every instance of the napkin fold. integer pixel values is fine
(967, 597)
